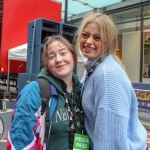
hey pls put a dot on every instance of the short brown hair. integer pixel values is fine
(48, 41)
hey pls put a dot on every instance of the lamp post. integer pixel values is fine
(66, 11)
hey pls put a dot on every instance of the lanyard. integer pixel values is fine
(92, 69)
(74, 116)
(90, 73)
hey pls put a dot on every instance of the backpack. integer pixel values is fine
(45, 93)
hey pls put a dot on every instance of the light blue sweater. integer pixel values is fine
(111, 111)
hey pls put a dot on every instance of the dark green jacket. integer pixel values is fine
(59, 135)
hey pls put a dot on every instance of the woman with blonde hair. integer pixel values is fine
(108, 98)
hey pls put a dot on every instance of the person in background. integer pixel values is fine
(108, 98)
(59, 59)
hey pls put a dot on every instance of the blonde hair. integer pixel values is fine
(48, 41)
(108, 32)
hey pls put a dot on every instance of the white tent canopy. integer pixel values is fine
(18, 53)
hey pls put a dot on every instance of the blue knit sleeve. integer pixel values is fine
(24, 118)
(111, 113)
(110, 131)
(113, 105)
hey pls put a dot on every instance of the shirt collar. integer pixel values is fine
(90, 63)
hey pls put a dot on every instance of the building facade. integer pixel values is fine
(132, 18)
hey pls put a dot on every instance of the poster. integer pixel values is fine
(142, 91)
(146, 73)
(143, 97)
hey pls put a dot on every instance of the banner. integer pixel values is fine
(142, 91)
(143, 97)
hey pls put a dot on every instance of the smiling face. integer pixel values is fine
(90, 41)
(60, 60)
